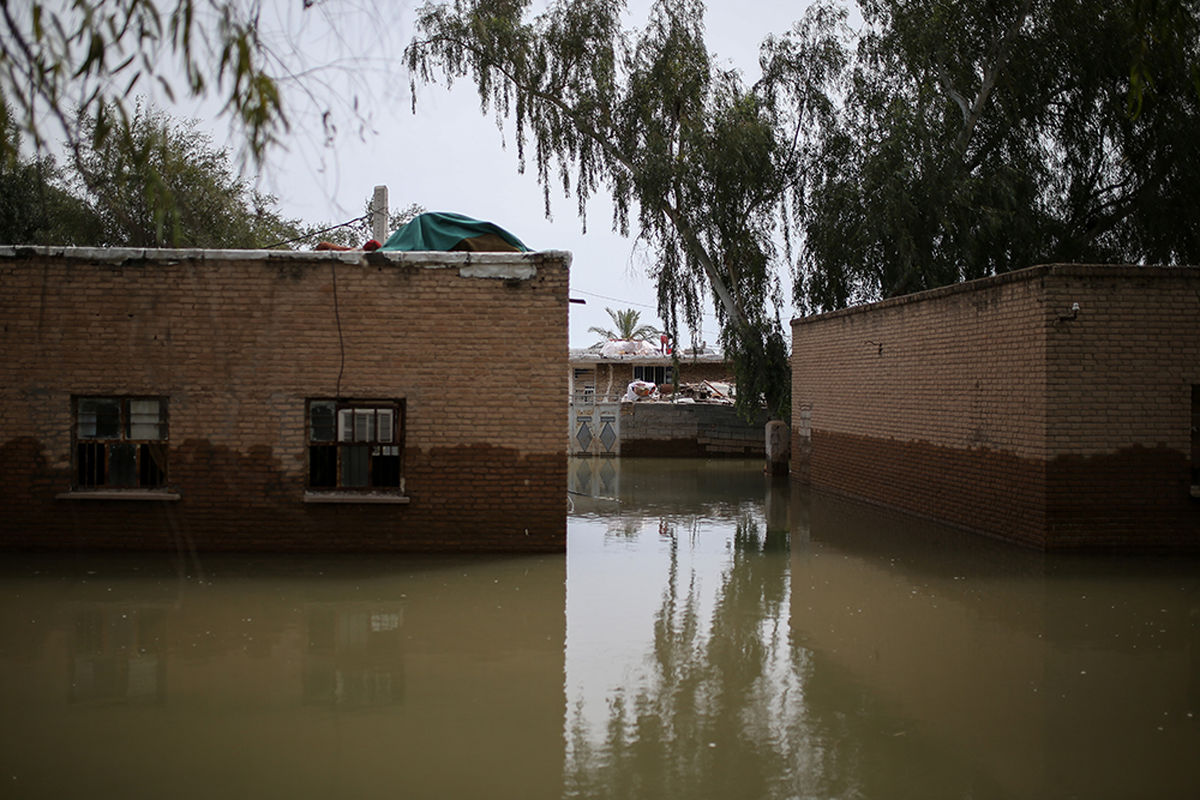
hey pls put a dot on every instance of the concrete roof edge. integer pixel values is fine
(431, 260)
(1015, 276)
(576, 357)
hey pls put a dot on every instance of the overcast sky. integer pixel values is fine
(449, 156)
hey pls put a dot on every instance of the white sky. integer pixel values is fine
(450, 157)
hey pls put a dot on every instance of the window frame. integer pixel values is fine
(147, 473)
(668, 370)
(330, 479)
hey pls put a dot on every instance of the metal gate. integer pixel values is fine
(595, 429)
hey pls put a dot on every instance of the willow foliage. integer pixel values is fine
(701, 166)
(63, 61)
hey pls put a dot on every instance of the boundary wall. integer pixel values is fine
(993, 405)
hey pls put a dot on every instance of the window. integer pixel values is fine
(585, 385)
(120, 442)
(355, 444)
(655, 375)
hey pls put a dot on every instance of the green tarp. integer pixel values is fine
(441, 230)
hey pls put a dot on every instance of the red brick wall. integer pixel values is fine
(237, 342)
(976, 405)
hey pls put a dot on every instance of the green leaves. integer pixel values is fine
(977, 138)
(65, 61)
(154, 181)
(701, 166)
(627, 326)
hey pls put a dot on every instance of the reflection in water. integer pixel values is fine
(716, 655)
(354, 655)
(801, 646)
(282, 677)
(117, 655)
(711, 633)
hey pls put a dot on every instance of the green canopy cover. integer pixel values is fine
(443, 230)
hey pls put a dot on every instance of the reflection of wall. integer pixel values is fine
(118, 655)
(647, 486)
(427, 678)
(1000, 656)
(354, 655)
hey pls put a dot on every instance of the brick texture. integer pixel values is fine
(989, 405)
(238, 343)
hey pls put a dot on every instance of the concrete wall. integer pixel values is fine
(976, 404)
(237, 341)
(683, 430)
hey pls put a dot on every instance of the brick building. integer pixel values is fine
(596, 377)
(266, 400)
(1056, 406)
(692, 417)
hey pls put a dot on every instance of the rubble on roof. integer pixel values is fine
(623, 348)
(713, 392)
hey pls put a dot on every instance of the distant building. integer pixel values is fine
(1057, 406)
(282, 401)
(603, 373)
(638, 399)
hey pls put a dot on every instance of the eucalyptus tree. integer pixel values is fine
(979, 137)
(700, 165)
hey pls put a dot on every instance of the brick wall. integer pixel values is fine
(977, 405)
(1120, 378)
(238, 342)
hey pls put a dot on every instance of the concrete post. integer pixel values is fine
(779, 447)
(379, 214)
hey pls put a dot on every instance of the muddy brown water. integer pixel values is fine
(710, 633)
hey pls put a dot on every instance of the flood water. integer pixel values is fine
(711, 633)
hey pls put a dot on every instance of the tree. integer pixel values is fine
(626, 326)
(65, 62)
(977, 138)
(36, 207)
(705, 165)
(161, 182)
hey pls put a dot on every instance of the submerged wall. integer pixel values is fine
(991, 405)
(238, 343)
(662, 429)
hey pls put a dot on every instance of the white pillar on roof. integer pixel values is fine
(379, 214)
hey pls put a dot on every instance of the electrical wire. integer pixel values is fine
(311, 234)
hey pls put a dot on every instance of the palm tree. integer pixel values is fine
(627, 326)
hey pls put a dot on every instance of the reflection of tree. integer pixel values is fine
(718, 717)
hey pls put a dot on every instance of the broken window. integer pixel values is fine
(355, 444)
(656, 375)
(120, 442)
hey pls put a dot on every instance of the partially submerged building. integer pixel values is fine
(271, 400)
(1057, 406)
(639, 399)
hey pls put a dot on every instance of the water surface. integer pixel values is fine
(711, 633)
